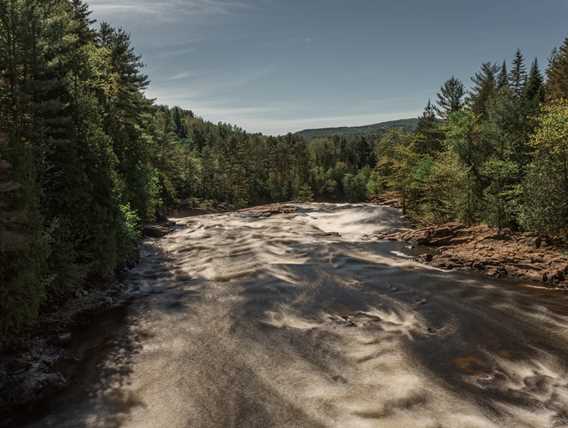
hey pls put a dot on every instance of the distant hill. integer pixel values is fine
(360, 131)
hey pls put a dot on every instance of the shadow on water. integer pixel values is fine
(492, 341)
(500, 345)
(105, 348)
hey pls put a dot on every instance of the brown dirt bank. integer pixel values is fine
(484, 249)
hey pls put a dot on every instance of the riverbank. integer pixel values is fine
(43, 359)
(499, 254)
(39, 362)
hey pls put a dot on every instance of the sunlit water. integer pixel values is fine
(299, 320)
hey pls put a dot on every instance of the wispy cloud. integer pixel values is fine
(179, 76)
(198, 85)
(168, 8)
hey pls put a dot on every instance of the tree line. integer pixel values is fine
(86, 158)
(497, 153)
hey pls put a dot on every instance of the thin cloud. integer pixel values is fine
(180, 76)
(206, 87)
(169, 7)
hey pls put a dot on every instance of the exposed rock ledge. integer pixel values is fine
(482, 248)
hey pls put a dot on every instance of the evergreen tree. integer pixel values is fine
(534, 91)
(484, 89)
(503, 77)
(518, 75)
(450, 98)
(429, 136)
(557, 73)
(127, 116)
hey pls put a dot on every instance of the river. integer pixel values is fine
(301, 320)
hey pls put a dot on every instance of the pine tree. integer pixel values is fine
(518, 75)
(428, 116)
(429, 136)
(534, 91)
(450, 98)
(503, 77)
(557, 73)
(23, 243)
(484, 89)
(127, 115)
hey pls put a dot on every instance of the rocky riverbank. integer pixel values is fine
(495, 253)
(39, 362)
(43, 359)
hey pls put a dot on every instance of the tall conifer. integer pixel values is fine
(518, 75)
(450, 98)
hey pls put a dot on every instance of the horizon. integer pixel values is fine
(310, 65)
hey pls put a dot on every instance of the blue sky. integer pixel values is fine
(276, 66)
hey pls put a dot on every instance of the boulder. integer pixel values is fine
(155, 231)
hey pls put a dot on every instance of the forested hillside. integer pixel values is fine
(497, 153)
(369, 131)
(86, 158)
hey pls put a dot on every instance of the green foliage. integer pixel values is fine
(518, 75)
(450, 98)
(23, 242)
(545, 207)
(484, 89)
(502, 194)
(503, 77)
(535, 91)
(305, 194)
(130, 233)
(557, 73)
(355, 186)
(480, 163)
(429, 135)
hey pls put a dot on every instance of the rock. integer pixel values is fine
(63, 339)
(339, 379)
(478, 265)
(536, 242)
(498, 254)
(553, 276)
(265, 211)
(81, 293)
(155, 231)
(5, 165)
(498, 272)
(9, 187)
(18, 366)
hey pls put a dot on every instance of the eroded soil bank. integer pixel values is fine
(499, 254)
(297, 318)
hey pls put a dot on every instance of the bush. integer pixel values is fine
(545, 199)
(130, 234)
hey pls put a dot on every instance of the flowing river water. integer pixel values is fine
(299, 320)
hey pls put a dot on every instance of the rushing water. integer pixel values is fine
(299, 320)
